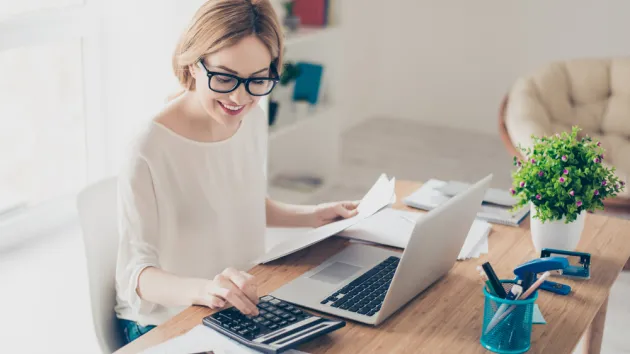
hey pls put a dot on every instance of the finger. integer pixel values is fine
(213, 302)
(244, 282)
(251, 289)
(230, 292)
(231, 296)
(351, 205)
(343, 212)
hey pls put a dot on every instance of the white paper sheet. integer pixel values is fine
(379, 196)
(393, 227)
(277, 235)
(202, 339)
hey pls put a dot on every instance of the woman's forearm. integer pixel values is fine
(288, 215)
(162, 288)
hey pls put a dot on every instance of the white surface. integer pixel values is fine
(203, 339)
(556, 234)
(379, 196)
(460, 57)
(393, 227)
(308, 35)
(97, 212)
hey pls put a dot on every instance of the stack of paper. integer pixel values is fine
(378, 197)
(392, 227)
(202, 339)
(432, 194)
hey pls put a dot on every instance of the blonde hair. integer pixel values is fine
(219, 24)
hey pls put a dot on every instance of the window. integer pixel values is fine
(46, 99)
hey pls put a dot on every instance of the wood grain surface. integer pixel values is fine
(446, 318)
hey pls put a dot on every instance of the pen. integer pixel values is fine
(484, 279)
(494, 280)
(536, 285)
(529, 280)
(514, 294)
(524, 297)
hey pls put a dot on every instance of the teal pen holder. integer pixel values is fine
(513, 332)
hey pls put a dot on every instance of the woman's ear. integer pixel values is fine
(191, 70)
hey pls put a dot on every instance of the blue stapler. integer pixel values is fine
(528, 272)
(582, 261)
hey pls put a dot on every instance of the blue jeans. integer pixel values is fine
(132, 330)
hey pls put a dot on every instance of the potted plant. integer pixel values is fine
(562, 178)
(291, 21)
(282, 93)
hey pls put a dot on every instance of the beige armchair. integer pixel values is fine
(591, 93)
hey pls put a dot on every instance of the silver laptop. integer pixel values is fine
(368, 284)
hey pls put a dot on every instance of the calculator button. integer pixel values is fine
(266, 323)
(282, 305)
(289, 308)
(262, 312)
(283, 323)
(267, 298)
(259, 319)
(273, 326)
(291, 319)
(275, 301)
(278, 312)
(269, 316)
(263, 305)
(285, 315)
(276, 319)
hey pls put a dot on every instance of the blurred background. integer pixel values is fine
(411, 88)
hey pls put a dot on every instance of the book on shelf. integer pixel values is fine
(431, 194)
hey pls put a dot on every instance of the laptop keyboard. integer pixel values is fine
(365, 294)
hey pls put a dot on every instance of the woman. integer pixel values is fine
(192, 201)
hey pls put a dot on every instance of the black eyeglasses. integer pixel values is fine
(225, 83)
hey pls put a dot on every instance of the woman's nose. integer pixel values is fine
(240, 96)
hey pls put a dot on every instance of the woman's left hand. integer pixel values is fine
(329, 212)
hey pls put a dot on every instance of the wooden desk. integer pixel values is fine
(447, 317)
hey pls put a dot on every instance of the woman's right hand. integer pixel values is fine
(233, 286)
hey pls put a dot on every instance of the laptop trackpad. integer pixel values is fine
(335, 273)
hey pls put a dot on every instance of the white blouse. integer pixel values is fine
(189, 208)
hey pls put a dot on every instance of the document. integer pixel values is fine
(202, 339)
(393, 227)
(380, 195)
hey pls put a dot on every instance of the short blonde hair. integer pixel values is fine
(219, 24)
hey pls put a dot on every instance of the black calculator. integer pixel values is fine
(278, 327)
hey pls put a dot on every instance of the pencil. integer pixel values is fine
(525, 295)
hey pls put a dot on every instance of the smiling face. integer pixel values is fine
(248, 58)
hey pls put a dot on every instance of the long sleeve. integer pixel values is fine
(139, 232)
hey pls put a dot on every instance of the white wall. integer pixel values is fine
(449, 62)
(139, 39)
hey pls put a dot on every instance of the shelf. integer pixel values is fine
(305, 34)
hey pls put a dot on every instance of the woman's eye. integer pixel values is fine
(258, 82)
(224, 80)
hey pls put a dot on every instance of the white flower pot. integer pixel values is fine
(556, 234)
